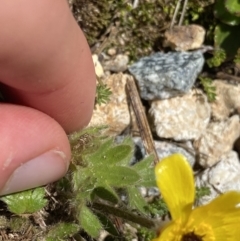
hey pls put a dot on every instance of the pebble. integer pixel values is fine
(117, 64)
(185, 37)
(111, 51)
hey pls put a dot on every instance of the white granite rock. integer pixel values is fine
(165, 75)
(181, 118)
(115, 113)
(227, 100)
(222, 177)
(217, 140)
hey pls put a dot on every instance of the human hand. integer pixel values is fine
(48, 80)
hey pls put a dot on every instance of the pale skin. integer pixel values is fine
(47, 77)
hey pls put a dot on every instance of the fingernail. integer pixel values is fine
(44, 169)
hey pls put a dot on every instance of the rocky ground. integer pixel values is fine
(180, 116)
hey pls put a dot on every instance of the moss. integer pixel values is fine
(138, 30)
(93, 16)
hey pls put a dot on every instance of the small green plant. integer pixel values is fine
(219, 56)
(158, 207)
(99, 175)
(103, 94)
(208, 87)
(146, 234)
(202, 192)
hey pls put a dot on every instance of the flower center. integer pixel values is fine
(191, 237)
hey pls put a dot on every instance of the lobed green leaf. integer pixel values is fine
(26, 202)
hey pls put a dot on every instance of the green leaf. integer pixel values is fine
(81, 178)
(116, 176)
(233, 6)
(225, 37)
(26, 202)
(97, 156)
(136, 201)
(109, 155)
(226, 17)
(106, 193)
(145, 168)
(115, 155)
(89, 222)
(126, 161)
(62, 231)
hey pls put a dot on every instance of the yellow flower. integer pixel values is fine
(217, 221)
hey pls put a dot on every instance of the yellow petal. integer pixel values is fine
(224, 206)
(228, 233)
(222, 215)
(175, 181)
(169, 233)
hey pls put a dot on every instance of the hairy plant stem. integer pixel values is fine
(125, 214)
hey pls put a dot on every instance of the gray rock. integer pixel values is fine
(165, 75)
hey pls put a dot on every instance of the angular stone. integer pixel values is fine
(115, 113)
(217, 140)
(227, 100)
(181, 118)
(185, 37)
(117, 64)
(222, 177)
(165, 75)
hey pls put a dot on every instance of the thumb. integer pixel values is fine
(34, 149)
